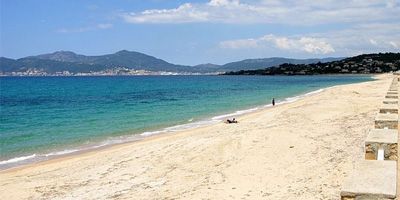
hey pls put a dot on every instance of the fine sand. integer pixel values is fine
(299, 150)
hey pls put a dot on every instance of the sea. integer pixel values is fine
(46, 117)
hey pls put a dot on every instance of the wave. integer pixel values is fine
(17, 159)
(295, 98)
(237, 113)
(58, 153)
(130, 138)
(180, 127)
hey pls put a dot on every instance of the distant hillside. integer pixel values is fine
(208, 67)
(250, 64)
(124, 58)
(362, 64)
(126, 62)
(49, 66)
(64, 56)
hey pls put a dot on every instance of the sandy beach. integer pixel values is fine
(299, 150)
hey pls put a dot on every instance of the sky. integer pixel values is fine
(193, 32)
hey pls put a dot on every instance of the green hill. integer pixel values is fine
(362, 64)
(251, 64)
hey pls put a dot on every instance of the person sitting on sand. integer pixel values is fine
(231, 121)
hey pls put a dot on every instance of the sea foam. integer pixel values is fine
(17, 159)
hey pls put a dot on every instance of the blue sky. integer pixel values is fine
(202, 31)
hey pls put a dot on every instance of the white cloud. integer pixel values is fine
(394, 44)
(372, 41)
(372, 37)
(75, 30)
(85, 29)
(391, 3)
(301, 44)
(316, 46)
(183, 14)
(352, 26)
(239, 44)
(223, 2)
(298, 12)
(366, 38)
(104, 26)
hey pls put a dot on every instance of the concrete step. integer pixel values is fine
(390, 121)
(392, 93)
(390, 101)
(381, 144)
(389, 108)
(391, 96)
(371, 179)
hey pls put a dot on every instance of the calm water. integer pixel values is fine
(46, 116)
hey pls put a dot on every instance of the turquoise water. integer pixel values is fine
(48, 116)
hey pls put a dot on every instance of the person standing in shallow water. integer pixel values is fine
(273, 101)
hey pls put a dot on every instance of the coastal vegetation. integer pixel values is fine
(362, 64)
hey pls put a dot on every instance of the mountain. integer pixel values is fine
(207, 67)
(63, 56)
(251, 64)
(383, 57)
(49, 66)
(8, 65)
(69, 61)
(127, 61)
(124, 58)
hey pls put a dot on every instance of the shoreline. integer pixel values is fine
(267, 155)
(137, 137)
(333, 74)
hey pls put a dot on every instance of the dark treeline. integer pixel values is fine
(362, 64)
